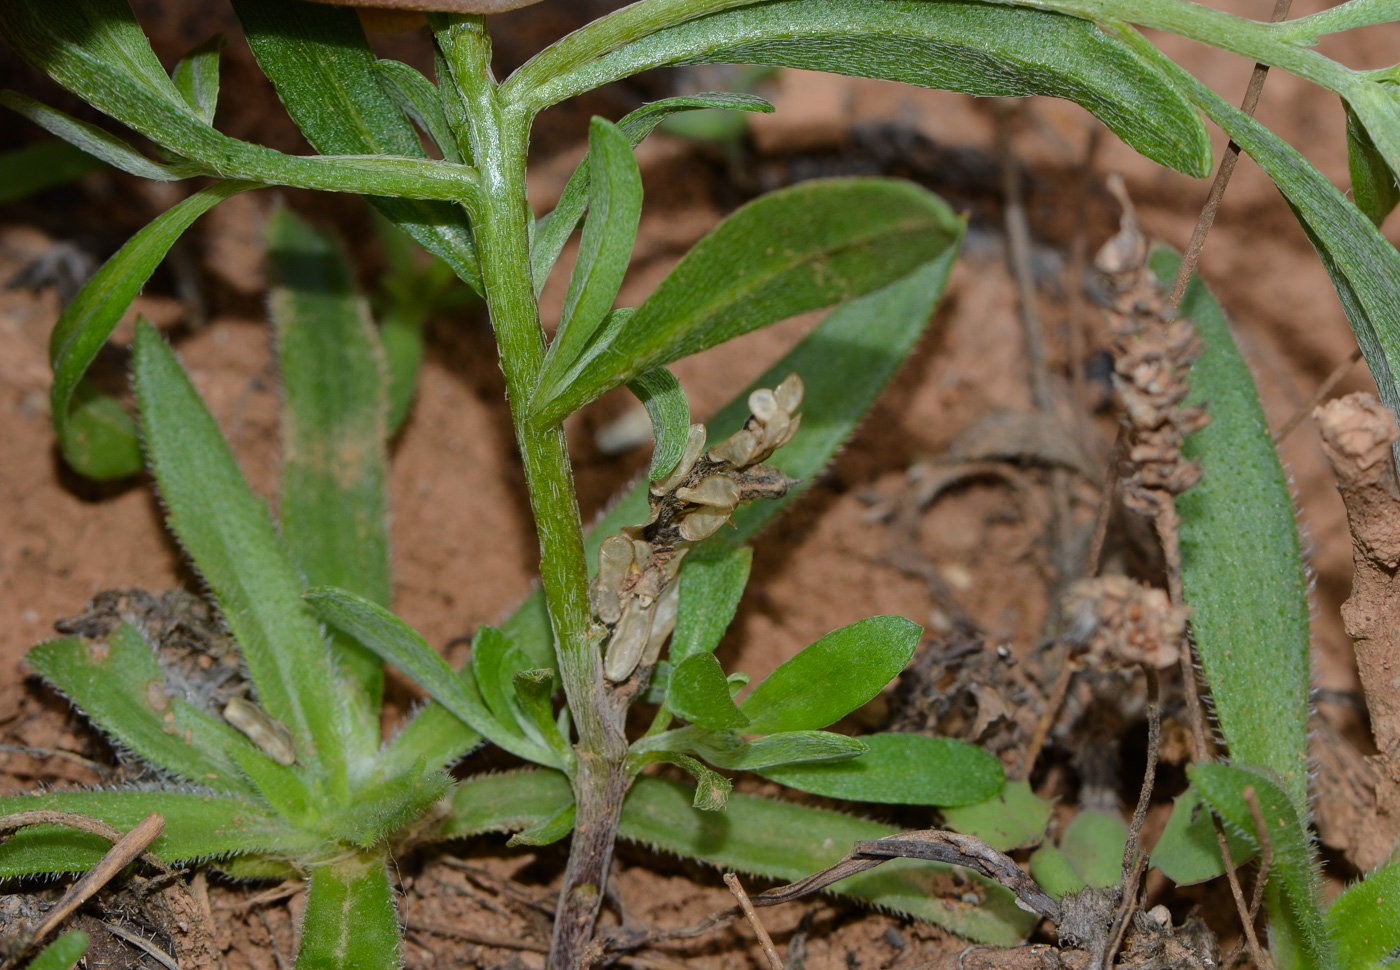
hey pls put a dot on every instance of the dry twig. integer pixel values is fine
(764, 940)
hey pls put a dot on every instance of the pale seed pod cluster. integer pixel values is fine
(636, 593)
(1152, 356)
(1115, 622)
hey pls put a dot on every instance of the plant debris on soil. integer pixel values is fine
(958, 503)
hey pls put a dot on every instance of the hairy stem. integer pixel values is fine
(496, 138)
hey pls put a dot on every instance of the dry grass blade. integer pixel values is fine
(764, 940)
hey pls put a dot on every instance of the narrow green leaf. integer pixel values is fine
(333, 507)
(418, 98)
(661, 394)
(1373, 185)
(548, 831)
(197, 826)
(95, 141)
(284, 788)
(495, 661)
(901, 769)
(41, 166)
(89, 320)
(712, 582)
(1365, 920)
(397, 643)
(350, 919)
(118, 684)
(778, 840)
(712, 789)
(725, 750)
(614, 211)
(1374, 109)
(196, 77)
(1014, 819)
(1363, 265)
(1292, 890)
(832, 677)
(811, 245)
(536, 716)
(1052, 869)
(699, 692)
(506, 802)
(553, 230)
(1188, 853)
(1241, 566)
(317, 57)
(969, 47)
(63, 953)
(227, 533)
(381, 810)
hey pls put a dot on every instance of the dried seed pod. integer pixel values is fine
(719, 491)
(764, 405)
(663, 622)
(615, 559)
(694, 448)
(789, 393)
(629, 640)
(703, 524)
(268, 733)
(738, 449)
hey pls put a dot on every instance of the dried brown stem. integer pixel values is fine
(1154, 740)
(1047, 716)
(1232, 876)
(1266, 851)
(1222, 177)
(1105, 509)
(1319, 395)
(764, 940)
(1132, 879)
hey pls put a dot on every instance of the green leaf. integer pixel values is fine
(118, 684)
(382, 810)
(1014, 819)
(284, 788)
(712, 582)
(1241, 566)
(712, 789)
(1052, 869)
(1363, 265)
(661, 394)
(495, 661)
(196, 77)
(549, 830)
(334, 409)
(724, 750)
(614, 211)
(801, 248)
(318, 59)
(506, 803)
(699, 692)
(94, 141)
(418, 98)
(1373, 185)
(535, 689)
(1373, 109)
(197, 826)
(974, 48)
(1292, 890)
(227, 533)
(901, 769)
(93, 438)
(63, 953)
(1365, 920)
(553, 231)
(1093, 842)
(399, 644)
(41, 166)
(1187, 852)
(778, 840)
(832, 677)
(350, 919)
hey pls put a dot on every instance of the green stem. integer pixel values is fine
(536, 83)
(496, 136)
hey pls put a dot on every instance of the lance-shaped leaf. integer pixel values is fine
(1292, 891)
(845, 363)
(95, 141)
(1241, 566)
(1363, 265)
(1187, 852)
(197, 826)
(901, 769)
(495, 662)
(318, 59)
(96, 436)
(1014, 818)
(725, 750)
(811, 245)
(350, 918)
(117, 682)
(40, 166)
(382, 810)
(333, 509)
(1090, 853)
(399, 644)
(1365, 920)
(228, 535)
(553, 231)
(699, 692)
(832, 677)
(1373, 184)
(63, 953)
(196, 77)
(712, 582)
(664, 399)
(418, 98)
(974, 48)
(1373, 108)
(614, 211)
